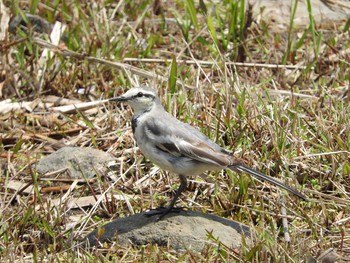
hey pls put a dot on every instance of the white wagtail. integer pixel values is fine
(178, 147)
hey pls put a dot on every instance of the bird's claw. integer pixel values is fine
(162, 211)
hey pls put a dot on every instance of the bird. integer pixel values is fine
(178, 147)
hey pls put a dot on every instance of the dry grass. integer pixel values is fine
(290, 123)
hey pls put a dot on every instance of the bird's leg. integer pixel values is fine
(182, 187)
(163, 211)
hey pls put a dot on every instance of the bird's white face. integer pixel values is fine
(140, 99)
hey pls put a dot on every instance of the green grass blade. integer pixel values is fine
(291, 23)
(312, 26)
(192, 11)
(33, 6)
(212, 30)
(242, 19)
(173, 75)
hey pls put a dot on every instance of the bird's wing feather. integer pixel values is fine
(188, 141)
(200, 152)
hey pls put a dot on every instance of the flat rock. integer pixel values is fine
(78, 163)
(180, 230)
(278, 12)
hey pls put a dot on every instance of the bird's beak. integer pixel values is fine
(118, 99)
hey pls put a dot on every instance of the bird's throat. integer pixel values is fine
(136, 119)
(134, 123)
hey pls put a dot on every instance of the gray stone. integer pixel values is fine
(180, 230)
(78, 162)
(278, 12)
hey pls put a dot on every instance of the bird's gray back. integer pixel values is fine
(163, 123)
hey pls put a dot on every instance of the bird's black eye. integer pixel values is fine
(140, 94)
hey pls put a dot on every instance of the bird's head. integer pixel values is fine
(141, 99)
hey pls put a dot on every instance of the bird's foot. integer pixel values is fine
(162, 211)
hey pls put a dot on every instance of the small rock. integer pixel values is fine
(328, 256)
(278, 12)
(78, 162)
(37, 23)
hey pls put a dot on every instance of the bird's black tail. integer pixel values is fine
(264, 177)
